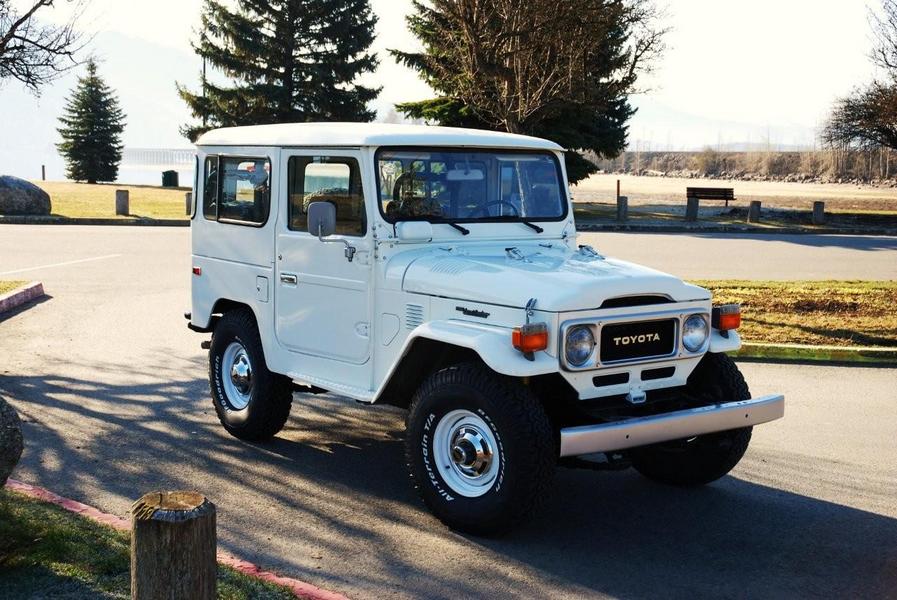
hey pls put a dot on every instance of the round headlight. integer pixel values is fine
(578, 345)
(694, 332)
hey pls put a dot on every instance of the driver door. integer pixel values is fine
(322, 300)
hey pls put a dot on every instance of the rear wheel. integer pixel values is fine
(251, 402)
(480, 449)
(704, 458)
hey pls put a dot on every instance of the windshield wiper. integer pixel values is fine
(532, 226)
(463, 230)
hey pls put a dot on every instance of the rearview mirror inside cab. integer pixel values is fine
(321, 219)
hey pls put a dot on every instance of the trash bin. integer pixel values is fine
(169, 179)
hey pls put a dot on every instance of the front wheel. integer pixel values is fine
(704, 458)
(251, 402)
(480, 449)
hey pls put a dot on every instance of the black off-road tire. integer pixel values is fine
(271, 394)
(526, 449)
(705, 458)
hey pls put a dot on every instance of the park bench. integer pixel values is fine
(711, 193)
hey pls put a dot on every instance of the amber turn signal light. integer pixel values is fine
(726, 317)
(531, 337)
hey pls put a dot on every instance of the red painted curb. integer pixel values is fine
(300, 588)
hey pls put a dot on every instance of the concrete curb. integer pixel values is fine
(720, 228)
(19, 296)
(300, 588)
(51, 220)
(822, 354)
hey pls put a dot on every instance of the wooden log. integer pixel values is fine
(121, 202)
(622, 208)
(691, 209)
(188, 201)
(754, 212)
(173, 547)
(819, 213)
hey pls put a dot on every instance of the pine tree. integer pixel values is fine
(91, 130)
(561, 71)
(289, 61)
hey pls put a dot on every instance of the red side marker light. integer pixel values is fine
(726, 317)
(197, 271)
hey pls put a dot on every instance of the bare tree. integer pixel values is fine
(884, 32)
(33, 52)
(864, 120)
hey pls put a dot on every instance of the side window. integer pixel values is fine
(245, 191)
(326, 179)
(210, 189)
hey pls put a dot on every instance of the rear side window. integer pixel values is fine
(237, 190)
(210, 188)
(326, 179)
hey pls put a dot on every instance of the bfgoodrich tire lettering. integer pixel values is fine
(705, 458)
(257, 407)
(480, 410)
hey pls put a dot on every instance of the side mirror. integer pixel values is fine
(321, 219)
(414, 231)
(322, 222)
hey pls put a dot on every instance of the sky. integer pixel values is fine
(734, 72)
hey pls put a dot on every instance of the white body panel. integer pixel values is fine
(345, 326)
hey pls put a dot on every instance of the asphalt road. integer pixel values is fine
(112, 389)
(755, 256)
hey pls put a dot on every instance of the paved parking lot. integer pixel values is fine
(112, 389)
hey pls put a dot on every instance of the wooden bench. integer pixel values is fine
(711, 193)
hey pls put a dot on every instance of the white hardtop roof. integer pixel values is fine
(367, 134)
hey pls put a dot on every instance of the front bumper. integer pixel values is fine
(643, 431)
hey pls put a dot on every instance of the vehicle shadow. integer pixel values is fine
(329, 501)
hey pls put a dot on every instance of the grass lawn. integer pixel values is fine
(8, 286)
(98, 200)
(831, 313)
(46, 552)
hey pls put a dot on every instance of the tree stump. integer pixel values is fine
(121, 202)
(819, 213)
(622, 208)
(173, 547)
(691, 209)
(754, 212)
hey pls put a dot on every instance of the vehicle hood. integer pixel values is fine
(561, 280)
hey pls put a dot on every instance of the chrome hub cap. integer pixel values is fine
(237, 375)
(465, 449)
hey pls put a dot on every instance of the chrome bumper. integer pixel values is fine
(642, 431)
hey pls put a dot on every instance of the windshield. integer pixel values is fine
(442, 185)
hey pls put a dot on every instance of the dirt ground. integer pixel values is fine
(643, 190)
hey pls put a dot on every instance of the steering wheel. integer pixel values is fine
(485, 209)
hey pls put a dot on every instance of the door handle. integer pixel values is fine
(289, 278)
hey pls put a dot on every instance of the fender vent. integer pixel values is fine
(414, 315)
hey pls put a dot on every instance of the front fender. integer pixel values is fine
(718, 343)
(492, 344)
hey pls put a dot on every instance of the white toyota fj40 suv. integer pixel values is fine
(437, 269)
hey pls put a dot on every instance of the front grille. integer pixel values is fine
(637, 340)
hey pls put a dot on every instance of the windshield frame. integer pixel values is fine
(564, 188)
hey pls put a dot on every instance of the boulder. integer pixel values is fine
(20, 197)
(11, 443)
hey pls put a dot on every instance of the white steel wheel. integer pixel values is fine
(466, 453)
(236, 371)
